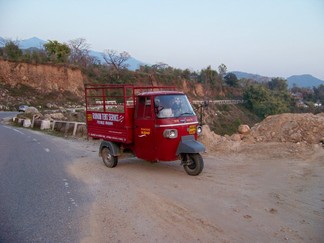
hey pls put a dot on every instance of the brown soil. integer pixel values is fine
(264, 192)
(249, 191)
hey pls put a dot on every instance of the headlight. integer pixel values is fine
(199, 130)
(170, 133)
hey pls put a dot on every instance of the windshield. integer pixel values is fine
(172, 106)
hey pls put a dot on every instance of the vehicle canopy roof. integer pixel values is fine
(155, 93)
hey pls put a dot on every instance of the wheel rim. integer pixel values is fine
(107, 156)
(192, 164)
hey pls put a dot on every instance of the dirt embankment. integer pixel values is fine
(42, 77)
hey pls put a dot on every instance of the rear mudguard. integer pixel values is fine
(113, 147)
(188, 145)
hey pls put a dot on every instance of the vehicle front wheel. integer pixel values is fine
(195, 164)
(108, 159)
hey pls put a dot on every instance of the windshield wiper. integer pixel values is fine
(186, 113)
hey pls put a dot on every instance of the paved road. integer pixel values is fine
(39, 200)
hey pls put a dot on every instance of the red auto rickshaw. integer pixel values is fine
(155, 123)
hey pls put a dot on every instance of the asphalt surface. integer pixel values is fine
(39, 200)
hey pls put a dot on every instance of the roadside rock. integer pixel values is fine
(57, 116)
(51, 106)
(244, 129)
(31, 110)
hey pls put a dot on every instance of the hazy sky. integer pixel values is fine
(267, 37)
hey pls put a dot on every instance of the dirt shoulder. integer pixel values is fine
(264, 192)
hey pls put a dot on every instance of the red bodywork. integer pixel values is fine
(128, 116)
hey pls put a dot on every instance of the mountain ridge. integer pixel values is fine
(303, 80)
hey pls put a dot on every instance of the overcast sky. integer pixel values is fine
(268, 37)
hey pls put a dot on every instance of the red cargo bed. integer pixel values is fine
(110, 110)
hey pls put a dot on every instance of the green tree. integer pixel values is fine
(186, 74)
(278, 84)
(34, 56)
(11, 51)
(231, 80)
(56, 51)
(166, 73)
(319, 93)
(38, 56)
(263, 101)
(208, 77)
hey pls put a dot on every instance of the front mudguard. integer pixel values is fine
(188, 145)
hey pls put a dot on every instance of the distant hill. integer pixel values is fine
(305, 80)
(2, 41)
(32, 43)
(35, 42)
(256, 77)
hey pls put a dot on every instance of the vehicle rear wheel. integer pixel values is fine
(108, 159)
(195, 164)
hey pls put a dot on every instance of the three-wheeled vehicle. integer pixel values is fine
(155, 123)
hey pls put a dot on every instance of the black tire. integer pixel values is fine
(196, 165)
(108, 159)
